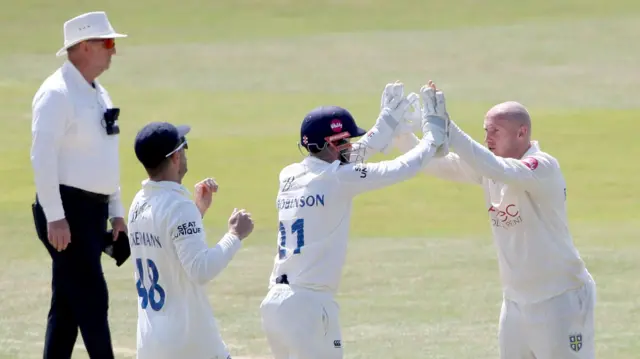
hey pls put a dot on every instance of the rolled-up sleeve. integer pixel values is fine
(187, 233)
(49, 121)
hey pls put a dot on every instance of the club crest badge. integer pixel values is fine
(575, 342)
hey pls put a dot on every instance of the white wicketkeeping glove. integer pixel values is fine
(394, 105)
(405, 121)
(412, 120)
(393, 109)
(435, 119)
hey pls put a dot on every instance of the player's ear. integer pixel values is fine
(522, 131)
(175, 157)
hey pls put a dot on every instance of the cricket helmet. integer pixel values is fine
(329, 126)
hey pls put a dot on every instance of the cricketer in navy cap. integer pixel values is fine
(329, 127)
(156, 142)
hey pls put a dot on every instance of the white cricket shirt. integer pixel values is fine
(172, 264)
(70, 145)
(526, 202)
(314, 212)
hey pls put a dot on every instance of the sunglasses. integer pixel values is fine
(182, 144)
(106, 43)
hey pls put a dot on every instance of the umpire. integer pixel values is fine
(74, 155)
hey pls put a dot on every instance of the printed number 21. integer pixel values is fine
(296, 228)
(154, 295)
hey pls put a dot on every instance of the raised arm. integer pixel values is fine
(364, 177)
(388, 123)
(200, 262)
(359, 178)
(527, 172)
(450, 167)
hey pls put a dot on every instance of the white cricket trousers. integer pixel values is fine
(558, 328)
(301, 323)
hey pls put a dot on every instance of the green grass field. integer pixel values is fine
(421, 279)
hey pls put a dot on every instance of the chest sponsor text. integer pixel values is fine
(506, 218)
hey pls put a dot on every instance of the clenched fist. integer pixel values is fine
(204, 194)
(240, 223)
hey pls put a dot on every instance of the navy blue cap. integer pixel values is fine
(327, 122)
(157, 140)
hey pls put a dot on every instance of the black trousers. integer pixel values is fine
(80, 297)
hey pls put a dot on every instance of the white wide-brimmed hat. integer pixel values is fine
(92, 25)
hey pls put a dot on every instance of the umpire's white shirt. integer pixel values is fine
(70, 145)
(173, 264)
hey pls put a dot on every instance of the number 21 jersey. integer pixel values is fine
(314, 212)
(313, 226)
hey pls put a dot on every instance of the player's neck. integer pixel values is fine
(90, 74)
(523, 150)
(166, 178)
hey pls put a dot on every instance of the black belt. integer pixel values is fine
(282, 279)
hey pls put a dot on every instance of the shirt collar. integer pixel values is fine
(71, 72)
(149, 185)
(535, 147)
(313, 161)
